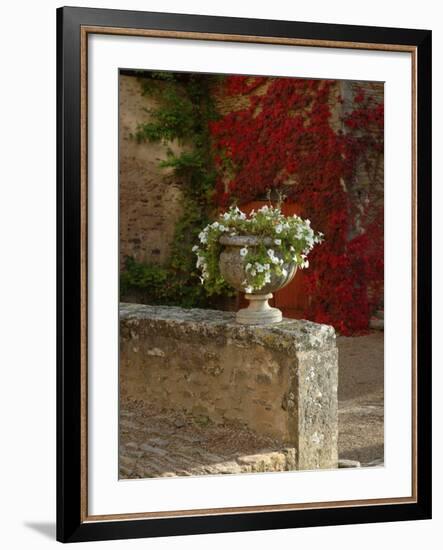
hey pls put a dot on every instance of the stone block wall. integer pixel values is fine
(150, 198)
(279, 380)
(367, 186)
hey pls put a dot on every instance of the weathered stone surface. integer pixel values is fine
(232, 264)
(150, 197)
(289, 335)
(278, 380)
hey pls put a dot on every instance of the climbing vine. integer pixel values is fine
(183, 114)
(284, 138)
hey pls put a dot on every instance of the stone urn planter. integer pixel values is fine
(232, 268)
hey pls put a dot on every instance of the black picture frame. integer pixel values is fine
(72, 526)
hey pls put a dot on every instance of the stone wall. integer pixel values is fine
(279, 380)
(367, 187)
(150, 197)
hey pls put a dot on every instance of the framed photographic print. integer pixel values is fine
(244, 274)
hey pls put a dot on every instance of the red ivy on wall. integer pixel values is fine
(284, 139)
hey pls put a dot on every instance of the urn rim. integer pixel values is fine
(244, 240)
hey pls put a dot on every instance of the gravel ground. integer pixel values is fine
(361, 399)
(159, 443)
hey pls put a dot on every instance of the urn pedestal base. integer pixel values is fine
(259, 312)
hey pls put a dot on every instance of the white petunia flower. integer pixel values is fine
(271, 253)
(277, 242)
(249, 290)
(248, 267)
(237, 213)
(194, 248)
(243, 251)
(284, 272)
(278, 228)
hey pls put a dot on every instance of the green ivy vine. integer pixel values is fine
(183, 114)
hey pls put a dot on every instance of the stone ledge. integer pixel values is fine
(289, 334)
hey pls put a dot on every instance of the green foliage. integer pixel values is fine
(143, 277)
(184, 108)
(157, 285)
(182, 115)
